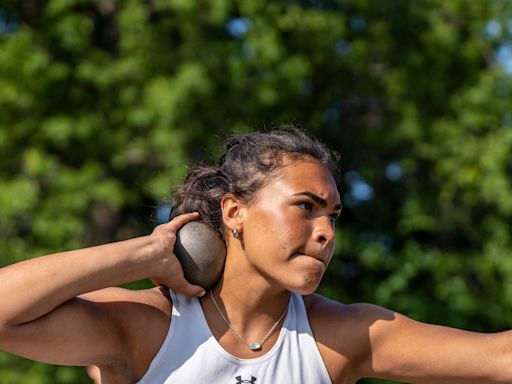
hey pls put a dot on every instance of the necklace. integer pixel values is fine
(252, 346)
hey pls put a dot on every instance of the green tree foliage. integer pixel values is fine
(103, 103)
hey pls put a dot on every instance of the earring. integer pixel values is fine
(236, 234)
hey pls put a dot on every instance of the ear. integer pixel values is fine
(233, 212)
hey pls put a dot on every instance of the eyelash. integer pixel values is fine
(309, 206)
(334, 217)
(306, 203)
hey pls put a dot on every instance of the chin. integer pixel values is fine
(306, 284)
(305, 290)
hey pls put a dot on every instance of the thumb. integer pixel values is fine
(192, 290)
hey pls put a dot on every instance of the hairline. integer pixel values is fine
(287, 159)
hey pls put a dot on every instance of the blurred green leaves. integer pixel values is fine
(104, 103)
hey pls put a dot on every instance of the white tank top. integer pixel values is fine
(191, 355)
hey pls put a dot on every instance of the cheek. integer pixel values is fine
(261, 232)
(273, 231)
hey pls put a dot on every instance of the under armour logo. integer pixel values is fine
(240, 381)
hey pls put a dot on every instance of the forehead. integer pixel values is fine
(304, 175)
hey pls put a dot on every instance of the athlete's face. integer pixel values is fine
(288, 229)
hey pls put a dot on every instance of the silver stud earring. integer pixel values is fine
(236, 235)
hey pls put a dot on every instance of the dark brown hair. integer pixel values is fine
(248, 162)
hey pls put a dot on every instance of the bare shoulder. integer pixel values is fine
(136, 311)
(325, 310)
(342, 333)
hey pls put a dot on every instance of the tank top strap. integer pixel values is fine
(298, 316)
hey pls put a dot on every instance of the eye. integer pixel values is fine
(305, 206)
(334, 217)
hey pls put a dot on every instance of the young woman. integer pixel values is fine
(274, 199)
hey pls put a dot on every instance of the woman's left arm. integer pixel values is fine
(407, 350)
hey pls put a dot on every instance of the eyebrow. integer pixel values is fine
(318, 199)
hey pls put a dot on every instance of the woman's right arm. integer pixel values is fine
(41, 317)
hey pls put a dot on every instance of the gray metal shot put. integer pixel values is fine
(201, 253)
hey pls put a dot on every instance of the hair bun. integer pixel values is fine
(201, 192)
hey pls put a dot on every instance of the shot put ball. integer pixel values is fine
(201, 253)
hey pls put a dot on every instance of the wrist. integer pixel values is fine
(124, 261)
(159, 255)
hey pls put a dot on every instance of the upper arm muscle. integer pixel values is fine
(91, 329)
(408, 350)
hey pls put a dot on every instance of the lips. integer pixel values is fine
(320, 258)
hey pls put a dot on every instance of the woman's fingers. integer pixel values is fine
(191, 290)
(175, 278)
(179, 221)
(184, 287)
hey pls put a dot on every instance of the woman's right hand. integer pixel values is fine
(171, 273)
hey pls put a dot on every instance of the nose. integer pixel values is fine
(324, 233)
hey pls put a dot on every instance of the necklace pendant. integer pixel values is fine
(255, 346)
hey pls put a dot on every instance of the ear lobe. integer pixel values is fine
(232, 212)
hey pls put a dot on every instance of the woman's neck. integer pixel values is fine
(247, 295)
(249, 302)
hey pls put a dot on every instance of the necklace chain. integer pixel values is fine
(252, 346)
